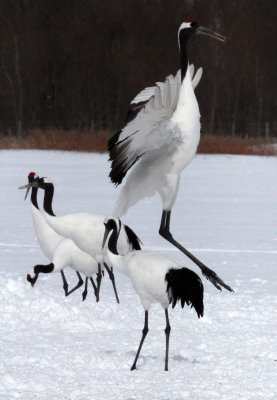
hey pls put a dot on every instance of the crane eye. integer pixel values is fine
(194, 25)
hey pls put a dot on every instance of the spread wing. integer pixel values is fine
(146, 124)
(146, 93)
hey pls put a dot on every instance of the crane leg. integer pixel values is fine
(65, 284)
(85, 292)
(167, 333)
(98, 280)
(111, 276)
(144, 333)
(164, 231)
(94, 288)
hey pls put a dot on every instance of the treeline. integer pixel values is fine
(77, 64)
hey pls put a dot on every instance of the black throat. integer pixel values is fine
(48, 197)
(113, 240)
(184, 36)
(34, 197)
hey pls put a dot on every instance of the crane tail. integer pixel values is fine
(197, 77)
(185, 286)
(122, 205)
(139, 185)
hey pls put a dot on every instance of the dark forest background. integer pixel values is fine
(76, 64)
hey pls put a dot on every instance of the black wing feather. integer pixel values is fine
(118, 149)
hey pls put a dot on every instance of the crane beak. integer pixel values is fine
(207, 32)
(26, 194)
(28, 187)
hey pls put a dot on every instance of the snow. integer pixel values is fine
(59, 348)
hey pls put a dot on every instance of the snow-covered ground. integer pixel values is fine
(57, 348)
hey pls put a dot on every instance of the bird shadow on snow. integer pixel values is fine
(133, 354)
(180, 358)
(144, 359)
(109, 351)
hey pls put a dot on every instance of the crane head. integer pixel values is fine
(190, 27)
(32, 278)
(33, 180)
(110, 225)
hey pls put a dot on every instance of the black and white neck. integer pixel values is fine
(48, 188)
(33, 178)
(113, 226)
(186, 30)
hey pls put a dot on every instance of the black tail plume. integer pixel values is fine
(186, 286)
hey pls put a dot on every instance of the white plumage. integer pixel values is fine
(67, 254)
(175, 84)
(48, 239)
(159, 140)
(165, 141)
(86, 230)
(157, 278)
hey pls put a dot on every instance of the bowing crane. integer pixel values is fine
(86, 230)
(66, 253)
(158, 141)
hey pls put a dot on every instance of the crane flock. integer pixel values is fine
(159, 139)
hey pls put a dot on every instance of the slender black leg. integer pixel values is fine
(95, 288)
(98, 281)
(65, 284)
(111, 276)
(85, 292)
(207, 272)
(144, 333)
(167, 333)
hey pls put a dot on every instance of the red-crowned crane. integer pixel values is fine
(85, 230)
(159, 140)
(157, 278)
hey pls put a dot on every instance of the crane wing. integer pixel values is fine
(146, 124)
